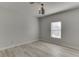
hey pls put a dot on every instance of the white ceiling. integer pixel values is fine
(50, 7)
(53, 7)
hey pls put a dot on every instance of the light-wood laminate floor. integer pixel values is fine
(39, 49)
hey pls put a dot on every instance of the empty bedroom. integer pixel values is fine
(39, 29)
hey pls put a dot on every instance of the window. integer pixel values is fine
(56, 29)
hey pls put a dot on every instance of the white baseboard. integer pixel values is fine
(71, 46)
(11, 46)
(64, 44)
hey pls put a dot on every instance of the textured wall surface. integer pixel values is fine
(17, 24)
(70, 28)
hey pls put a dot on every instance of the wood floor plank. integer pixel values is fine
(39, 49)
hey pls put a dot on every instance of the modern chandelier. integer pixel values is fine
(41, 9)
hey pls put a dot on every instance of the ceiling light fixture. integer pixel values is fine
(42, 9)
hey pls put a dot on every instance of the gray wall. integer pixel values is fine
(17, 25)
(70, 28)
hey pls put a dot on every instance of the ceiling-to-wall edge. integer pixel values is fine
(59, 11)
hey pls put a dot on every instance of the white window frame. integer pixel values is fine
(56, 29)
